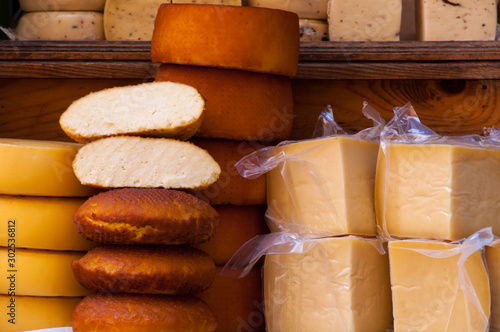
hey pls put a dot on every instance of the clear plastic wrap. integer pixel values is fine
(435, 187)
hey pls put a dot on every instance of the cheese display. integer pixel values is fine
(313, 30)
(130, 161)
(254, 39)
(453, 20)
(40, 223)
(240, 105)
(431, 291)
(61, 25)
(160, 109)
(62, 5)
(237, 225)
(26, 313)
(492, 255)
(437, 191)
(39, 272)
(40, 168)
(327, 184)
(360, 20)
(315, 9)
(340, 284)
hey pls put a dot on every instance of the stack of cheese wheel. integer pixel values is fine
(241, 59)
(312, 15)
(61, 20)
(39, 193)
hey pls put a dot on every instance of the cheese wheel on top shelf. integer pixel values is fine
(61, 5)
(238, 37)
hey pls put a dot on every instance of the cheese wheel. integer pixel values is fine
(237, 225)
(248, 38)
(313, 30)
(60, 25)
(26, 313)
(240, 105)
(61, 5)
(40, 223)
(40, 168)
(236, 302)
(39, 272)
(231, 187)
(316, 9)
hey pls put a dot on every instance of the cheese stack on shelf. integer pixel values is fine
(61, 20)
(39, 193)
(241, 60)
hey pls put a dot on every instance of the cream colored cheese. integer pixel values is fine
(331, 188)
(61, 5)
(445, 192)
(313, 30)
(361, 20)
(342, 284)
(316, 9)
(456, 19)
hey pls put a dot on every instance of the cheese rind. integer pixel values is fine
(315, 9)
(360, 20)
(36, 312)
(427, 294)
(492, 255)
(61, 5)
(331, 188)
(39, 272)
(61, 25)
(41, 223)
(40, 168)
(341, 284)
(437, 191)
(456, 20)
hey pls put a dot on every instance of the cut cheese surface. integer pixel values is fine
(130, 19)
(26, 313)
(492, 254)
(313, 30)
(40, 168)
(361, 20)
(440, 191)
(456, 20)
(427, 294)
(61, 5)
(316, 9)
(40, 223)
(341, 284)
(39, 272)
(330, 188)
(61, 25)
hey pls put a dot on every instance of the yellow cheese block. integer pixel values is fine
(492, 254)
(61, 5)
(361, 20)
(331, 188)
(130, 19)
(313, 30)
(341, 284)
(439, 191)
(40, 168)
(316, 9)
(426, 292)
(61, 25)
(456, 20)
(39, 272)
(40, 223)
(26, 313)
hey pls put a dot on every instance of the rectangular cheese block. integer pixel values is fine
(314, 9)
(426, 292)
(313, 30)
(330, 187)
(437, 191)
(492, 255)
(456, 19)
(361, 20)
(341, 284)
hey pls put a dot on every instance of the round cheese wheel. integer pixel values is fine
(61, 5)
(248, 38)
(240, 105)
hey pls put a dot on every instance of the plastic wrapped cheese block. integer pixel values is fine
(434, 187)
(27, 313)
(361, 20)
(61, 25)
(315, 9)
(340, 284)
(456, 20)
(439, 286)
(313, 30)
(61, 5)
(492, 254)
(40, 223)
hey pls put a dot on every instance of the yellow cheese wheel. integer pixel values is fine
(40, 168)
(41, 223)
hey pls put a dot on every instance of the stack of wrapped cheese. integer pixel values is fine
(241, 60)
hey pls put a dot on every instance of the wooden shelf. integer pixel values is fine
(317, 60)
